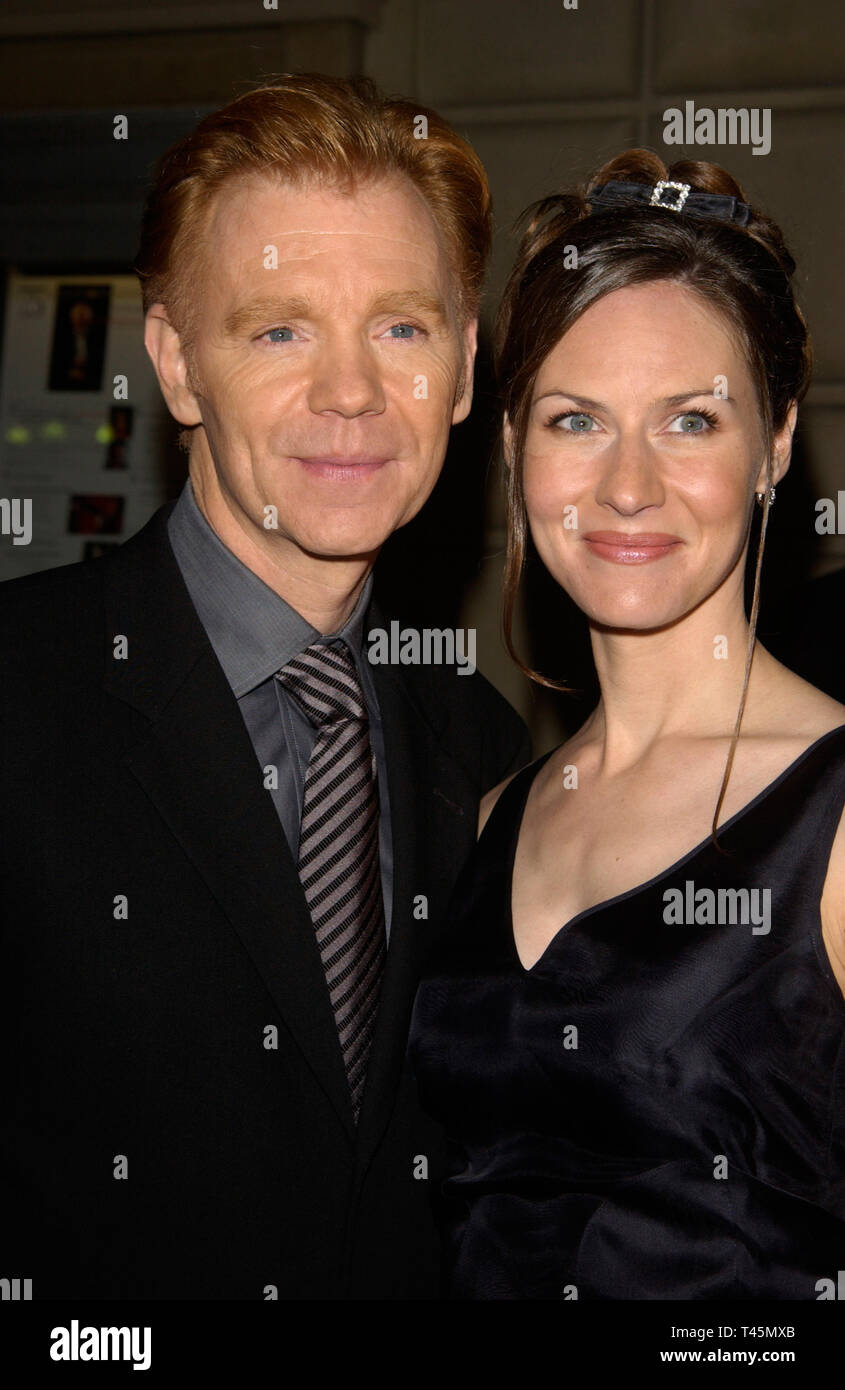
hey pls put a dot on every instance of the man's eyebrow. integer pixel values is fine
(664, 400)
(264, 309)
(273, 310)
(421, 301)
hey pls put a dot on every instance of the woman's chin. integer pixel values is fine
(632, 617)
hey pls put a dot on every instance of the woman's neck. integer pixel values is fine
(683, 680)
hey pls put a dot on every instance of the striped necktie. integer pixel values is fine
(339, 846)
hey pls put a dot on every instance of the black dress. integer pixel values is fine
(656, 1109)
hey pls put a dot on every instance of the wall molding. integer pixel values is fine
(54, 19)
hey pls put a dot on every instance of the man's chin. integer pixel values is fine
(346, 542)
(356, 535)
(361, 549)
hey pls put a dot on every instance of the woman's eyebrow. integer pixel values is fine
(663, 400)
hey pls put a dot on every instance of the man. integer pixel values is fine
(228, 840)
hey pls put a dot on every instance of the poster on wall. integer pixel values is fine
(80, 411)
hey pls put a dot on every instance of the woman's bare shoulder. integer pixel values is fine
(797, 709)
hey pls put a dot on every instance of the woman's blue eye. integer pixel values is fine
(271, 331)
(694, 422)
(402, 330)
(576, 422)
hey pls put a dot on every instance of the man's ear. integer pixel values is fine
(165, 350)
(463, 394)
(781, 450)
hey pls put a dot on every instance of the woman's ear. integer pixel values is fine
(781, 450)
(507, 441)
(783, 444)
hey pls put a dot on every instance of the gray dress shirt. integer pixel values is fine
(254, 633)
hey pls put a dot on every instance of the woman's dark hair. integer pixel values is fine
(743, 272)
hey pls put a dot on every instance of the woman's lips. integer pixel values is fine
(624, 549)
(345, 468)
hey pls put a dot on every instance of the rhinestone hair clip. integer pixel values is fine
(676, 197)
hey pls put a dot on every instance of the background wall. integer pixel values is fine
(544, 93)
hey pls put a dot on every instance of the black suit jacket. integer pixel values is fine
(175, 1116)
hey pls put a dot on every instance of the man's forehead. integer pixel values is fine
(305, 244)
(384, 217)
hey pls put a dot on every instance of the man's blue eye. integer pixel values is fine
(403, 330)
(270, 333)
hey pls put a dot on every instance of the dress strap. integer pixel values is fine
(511, 802)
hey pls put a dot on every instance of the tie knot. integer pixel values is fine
(324, 680)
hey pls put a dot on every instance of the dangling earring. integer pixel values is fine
(761, 496)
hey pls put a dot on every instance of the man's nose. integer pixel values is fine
(346, 378)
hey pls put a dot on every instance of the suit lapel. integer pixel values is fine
(197, 765)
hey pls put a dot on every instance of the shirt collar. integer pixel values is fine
(251, 628)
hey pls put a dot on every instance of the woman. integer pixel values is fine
(635, 1035)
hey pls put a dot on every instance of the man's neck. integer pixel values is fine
(324, 591)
